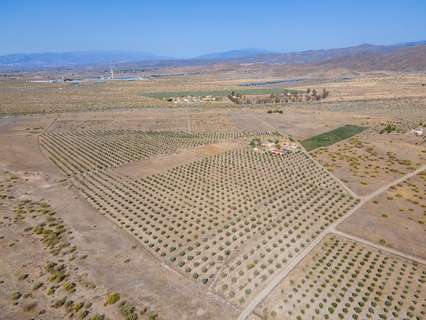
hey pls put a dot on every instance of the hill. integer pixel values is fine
(323, 55)
(399, 57)
(402, 59)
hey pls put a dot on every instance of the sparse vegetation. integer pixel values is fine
(218, 93)
(128, 310)
(58, 272)
(367, 161)
(112, 298)
(345, 280)
(268, 96)
(230, 221)
(388, 129)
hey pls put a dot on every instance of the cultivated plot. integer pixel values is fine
(331, 137)
(81, 151)
(342, 279)
(230, 221)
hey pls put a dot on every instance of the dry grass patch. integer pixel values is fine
(371, 160)
(397, 217)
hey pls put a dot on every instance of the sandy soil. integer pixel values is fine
(370, 160)
(115, 261)
(396, 218)
(151, 166)
(25, 97)
(334, 282)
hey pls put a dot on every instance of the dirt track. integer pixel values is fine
(331, 229)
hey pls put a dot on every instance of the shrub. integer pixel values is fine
(23, 276)
(16, 295)
(78, 306)
(37, 285)
(59, 303)
(128, 310)
(112, 298)
(153, 316)
(70, 287)
(83, 314)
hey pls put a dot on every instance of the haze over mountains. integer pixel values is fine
(235, 54)
(404, 57)
(76, 58)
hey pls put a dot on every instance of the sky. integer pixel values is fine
(187, 28)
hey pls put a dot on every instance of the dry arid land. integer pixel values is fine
(115, 204)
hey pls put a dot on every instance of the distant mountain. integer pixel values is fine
(316, 56)
(234, 54)
(410, 56)
(365, 57)
(406, 58)
(72, 59)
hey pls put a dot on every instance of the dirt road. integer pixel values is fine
(331, 229)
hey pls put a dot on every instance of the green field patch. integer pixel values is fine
(218, 93)
(328, 138)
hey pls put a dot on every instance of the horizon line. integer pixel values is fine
(165, 57)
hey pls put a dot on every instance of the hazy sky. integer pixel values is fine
(183, 28)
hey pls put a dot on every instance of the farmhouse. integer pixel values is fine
(277, 145)
(193, 99)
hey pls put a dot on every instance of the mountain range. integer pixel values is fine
(404, 56)
(73, 59)
(235, 54)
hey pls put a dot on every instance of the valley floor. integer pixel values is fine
(168, 213)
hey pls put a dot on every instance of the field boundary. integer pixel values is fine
(331, 229)
(379, 247)
(331, 137)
